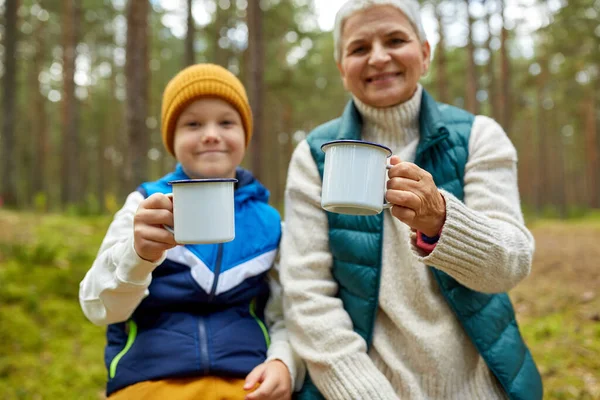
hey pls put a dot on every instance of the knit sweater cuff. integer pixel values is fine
(464, 243)
(353, 377)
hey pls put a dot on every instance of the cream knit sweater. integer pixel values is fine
(419, 349)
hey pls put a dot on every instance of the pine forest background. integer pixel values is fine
(81, 84)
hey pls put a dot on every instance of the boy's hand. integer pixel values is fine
(274, 379)
(150, 239)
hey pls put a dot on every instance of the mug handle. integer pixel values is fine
(387, 204)
(167, 227)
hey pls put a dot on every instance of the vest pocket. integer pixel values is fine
(132, 328)
(260, 323)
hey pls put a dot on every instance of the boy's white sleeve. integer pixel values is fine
(280, 348)
(119, 279)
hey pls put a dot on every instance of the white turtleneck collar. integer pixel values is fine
(395, 126)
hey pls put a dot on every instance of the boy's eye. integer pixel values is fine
(227, 122)
(192, 123)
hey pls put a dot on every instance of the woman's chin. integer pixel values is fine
(382, 100)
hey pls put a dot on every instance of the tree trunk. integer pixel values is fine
(117, 142)
(558, 163)
(70, 176)
(288, 149)
(100, 130)
(221, 56)
(190, 36)
(471, 95)
(591, 147)
(527, 165)
(491, 70)
(505, 78)
(137, 79)
(440, 56)
(597, 119)
(9, 148)
(541, 181)
(40, 122)
(255, 81)
(101, 164)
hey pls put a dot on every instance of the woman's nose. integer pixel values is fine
(379, 55)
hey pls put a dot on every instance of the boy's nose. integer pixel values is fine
(211, 135)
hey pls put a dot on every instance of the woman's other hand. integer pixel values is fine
(416, 199)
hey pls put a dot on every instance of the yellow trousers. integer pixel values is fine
(200, 388)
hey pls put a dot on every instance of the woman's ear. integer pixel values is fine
(342, 74)
(426, 48)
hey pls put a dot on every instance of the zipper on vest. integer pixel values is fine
(132, 327)
(218, 262)
(203, 339)
(201, 323)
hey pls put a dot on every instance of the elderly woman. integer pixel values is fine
(410, 303)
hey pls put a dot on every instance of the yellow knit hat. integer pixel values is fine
(197, 81)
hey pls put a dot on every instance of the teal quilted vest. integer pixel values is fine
(356, 243)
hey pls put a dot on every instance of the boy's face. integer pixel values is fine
(209, 139)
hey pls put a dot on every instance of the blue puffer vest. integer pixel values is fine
(205, 311)
(356, 243)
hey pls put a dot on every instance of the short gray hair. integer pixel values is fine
(410, 8)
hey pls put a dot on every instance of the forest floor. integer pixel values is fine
(558, 307)
(48, 350)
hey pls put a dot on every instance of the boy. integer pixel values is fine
(186, 322)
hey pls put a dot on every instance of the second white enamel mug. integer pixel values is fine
(354, 177)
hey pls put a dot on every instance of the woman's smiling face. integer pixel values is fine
(382, 58)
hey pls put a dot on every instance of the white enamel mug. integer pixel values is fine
(203, 211)
(354, 177)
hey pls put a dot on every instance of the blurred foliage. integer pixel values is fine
(48, 349)
(554, 89)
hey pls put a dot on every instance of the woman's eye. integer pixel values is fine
(358, 50)
(396, 41)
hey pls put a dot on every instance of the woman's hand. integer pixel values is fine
(150, 238)
(274, 379)
(417, 201)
